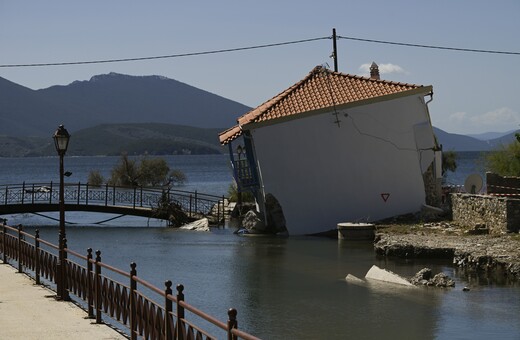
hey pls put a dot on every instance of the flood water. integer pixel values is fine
(285, 288)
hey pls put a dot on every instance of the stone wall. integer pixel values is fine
(498, 214)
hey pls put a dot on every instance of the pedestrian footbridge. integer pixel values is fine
(138, 201)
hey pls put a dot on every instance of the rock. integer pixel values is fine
(253, 223)
(199, 225)
(443, 280)
(275, 216)
(424, 278)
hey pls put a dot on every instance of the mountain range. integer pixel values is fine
(112, 113)
(111, 99)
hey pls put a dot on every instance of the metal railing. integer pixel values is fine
(194, 204)
(102, 295)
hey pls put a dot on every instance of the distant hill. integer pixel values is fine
(115, 139)
(491, 135)
(111, 99)
(456, 142)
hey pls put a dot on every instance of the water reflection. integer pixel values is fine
(296, 288)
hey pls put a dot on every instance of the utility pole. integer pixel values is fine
(334, 50)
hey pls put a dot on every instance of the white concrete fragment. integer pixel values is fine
(354, 280)
(198, 225)
(376, 273)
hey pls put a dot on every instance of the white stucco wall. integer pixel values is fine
(323, 174)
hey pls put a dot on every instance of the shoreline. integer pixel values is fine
(497, 254)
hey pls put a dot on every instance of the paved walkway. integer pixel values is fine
(29, 311)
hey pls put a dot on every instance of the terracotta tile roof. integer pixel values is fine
(321, 89)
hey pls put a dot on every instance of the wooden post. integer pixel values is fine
(98, 286)
(180, 313)
(37, 256)
(90, 288)
(4, 242)
(334, 50)
(168, 308)
(133, 310)
(19, 250)
(232, 323)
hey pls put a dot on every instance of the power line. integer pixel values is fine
(164, 56)
(430, 46)
(106, 61)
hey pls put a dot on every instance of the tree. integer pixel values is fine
(449, 162)
(147, 172)
(124, 173)
(506, 160)
(152, 172)
(95, 178)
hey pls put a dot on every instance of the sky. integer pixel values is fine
(473, 92)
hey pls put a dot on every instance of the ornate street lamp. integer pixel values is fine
(61, 141)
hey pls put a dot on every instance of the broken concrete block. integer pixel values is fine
(376, 273)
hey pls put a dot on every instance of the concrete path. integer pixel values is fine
(29, 311)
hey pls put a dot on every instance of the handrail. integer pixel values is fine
(125, 304)
(138, 200)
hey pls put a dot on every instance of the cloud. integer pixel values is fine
(501, 119)
(383, 69)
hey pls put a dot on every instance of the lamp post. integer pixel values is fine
(240, 151)
(61, 141)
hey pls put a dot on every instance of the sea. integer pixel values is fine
(282, 287)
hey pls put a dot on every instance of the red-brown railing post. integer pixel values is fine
(4, 242)
(180, 313)
(168, 308)
(133, 310)
(90, 290)
(98, 286)
(37, 256)
(232, 323)
(19, 250)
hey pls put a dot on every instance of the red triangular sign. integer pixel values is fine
(385, 196)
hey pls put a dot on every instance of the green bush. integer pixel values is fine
(95, 178)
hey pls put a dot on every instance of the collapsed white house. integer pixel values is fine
(336, 147)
